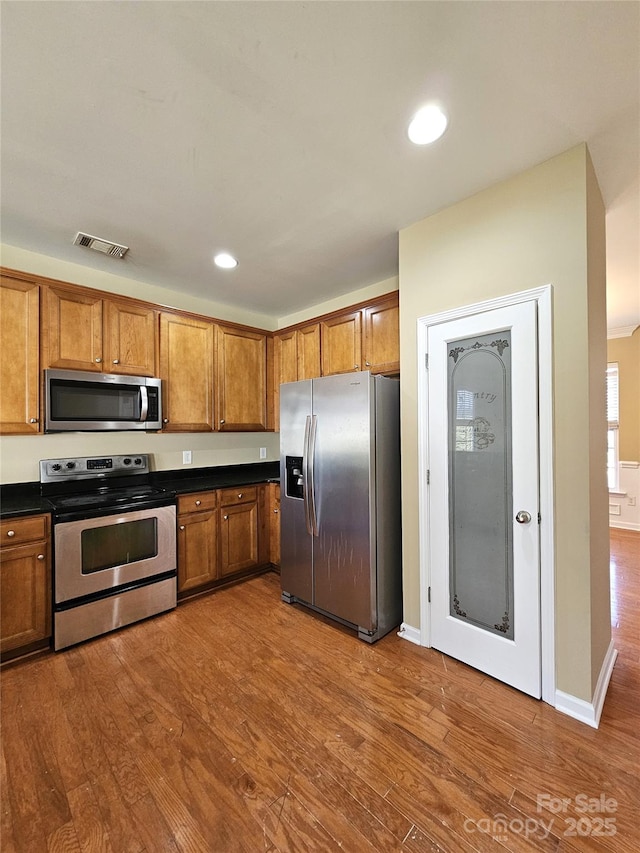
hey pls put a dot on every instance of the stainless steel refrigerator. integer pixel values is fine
(340, 499)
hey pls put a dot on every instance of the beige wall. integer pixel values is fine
(626, 352)
(524, 233)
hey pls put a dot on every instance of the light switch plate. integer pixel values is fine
(263, 453)
(186, 457)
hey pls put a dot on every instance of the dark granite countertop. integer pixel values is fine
(219, 477)
(25, 499)
(22, 499)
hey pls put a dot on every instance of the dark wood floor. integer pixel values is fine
(239, 723)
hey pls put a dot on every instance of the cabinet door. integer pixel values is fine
(197, 550)
(341, 343)
(239, 538)
(382, 337)
(274, 524)
(72, 334)
(241, 386)
(25, 595)
(130, 339)
(186, 369)
(309, 351)
(19, 349)
(285, 357)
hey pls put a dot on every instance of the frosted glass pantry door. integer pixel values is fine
(483, 493)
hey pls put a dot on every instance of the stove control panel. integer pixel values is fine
(83, 467)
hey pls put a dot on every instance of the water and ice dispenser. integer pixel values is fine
(294, 487)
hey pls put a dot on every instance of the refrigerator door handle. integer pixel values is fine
(312, 481)
(305, 476)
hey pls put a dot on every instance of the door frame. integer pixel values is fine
(543, 297)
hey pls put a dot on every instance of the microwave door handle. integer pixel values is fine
(144, 403)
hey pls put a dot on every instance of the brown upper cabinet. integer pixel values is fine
(19, 348)
(186, 370)
(381, 336)
(367, 338)
(296, 356)
(85, 332)
(241, 379)
(342, 343)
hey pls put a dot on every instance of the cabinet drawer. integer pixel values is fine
(197, 502)
(239, 494)
(15, 531)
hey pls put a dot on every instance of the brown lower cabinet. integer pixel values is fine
(274, 524)
(25, 584)
(221, 533)
(197, 541)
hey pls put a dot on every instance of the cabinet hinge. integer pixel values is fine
(428, 476)
(539, 518)
(429, 595)
(426, 361)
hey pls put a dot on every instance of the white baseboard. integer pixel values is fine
(407, 632)
(624, 525)
(589, 712)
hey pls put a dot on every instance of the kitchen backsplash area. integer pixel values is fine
(20, 455)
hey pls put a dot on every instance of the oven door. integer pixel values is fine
(98, 554)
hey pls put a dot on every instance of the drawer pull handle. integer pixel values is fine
(40, 556)
(11, 533)
(198, 503)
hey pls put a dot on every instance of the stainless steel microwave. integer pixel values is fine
(80, 401)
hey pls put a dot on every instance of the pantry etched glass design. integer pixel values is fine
(480, 482)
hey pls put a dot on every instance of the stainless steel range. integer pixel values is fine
(114, 540)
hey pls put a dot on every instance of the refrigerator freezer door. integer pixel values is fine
(296, 567)
(342, 463)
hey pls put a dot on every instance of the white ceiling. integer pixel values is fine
(277, 131)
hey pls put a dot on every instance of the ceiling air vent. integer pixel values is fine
(106, 247)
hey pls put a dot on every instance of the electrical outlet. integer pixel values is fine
(632, 500)
(186, 457)
(263, 453)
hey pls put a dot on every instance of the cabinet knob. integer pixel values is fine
(98, 360)
(276, 511)
(367, 364)
(116, 361)
(225, 517)
(239, 494)
(33, 420)
(11, 533)
(165, 420)
(198, 503)
(181, 527)
(40, 557)
(355, 367)
(221, 420)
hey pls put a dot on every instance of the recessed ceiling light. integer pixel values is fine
(225, 260)
(427, 125)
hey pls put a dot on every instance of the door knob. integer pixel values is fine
(523, 517)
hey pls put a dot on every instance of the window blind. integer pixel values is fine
(613, 415)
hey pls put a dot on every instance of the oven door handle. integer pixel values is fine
(144, 403)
